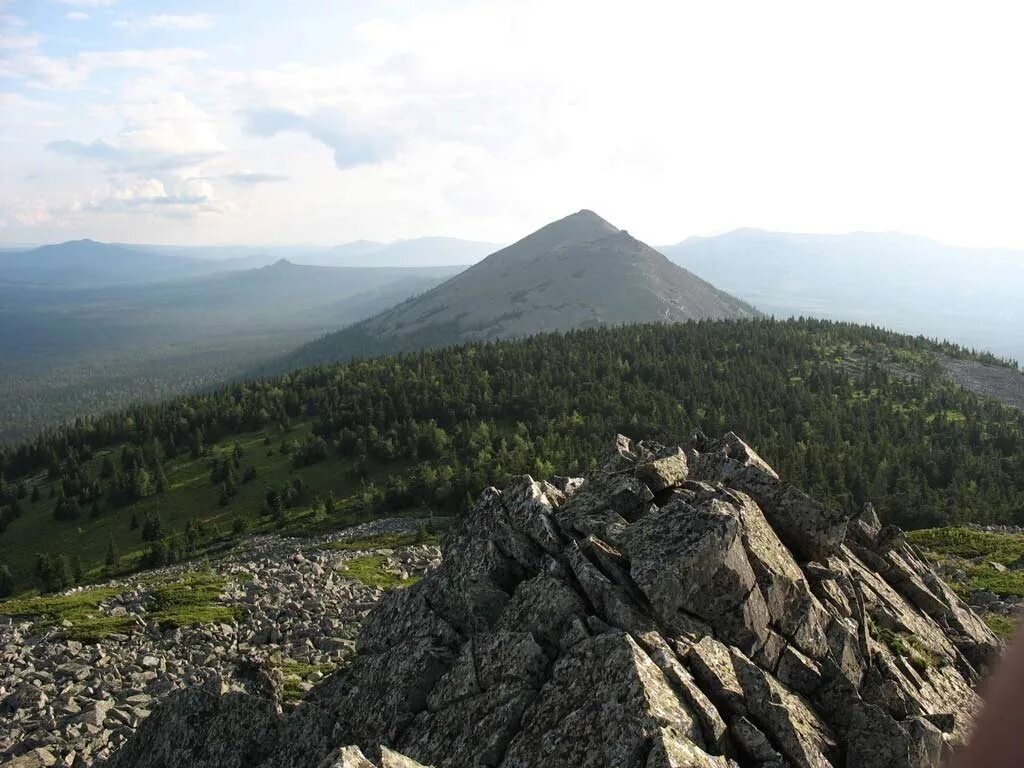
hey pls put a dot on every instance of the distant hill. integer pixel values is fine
(577, 272)
(87, 262)
(969, 295)
(68, 352)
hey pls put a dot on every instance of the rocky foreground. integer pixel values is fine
(680, 607)
(297, 613)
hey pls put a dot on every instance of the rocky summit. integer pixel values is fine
(680, 607)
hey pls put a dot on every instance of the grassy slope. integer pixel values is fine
(190, 496)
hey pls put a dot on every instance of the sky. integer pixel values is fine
(274, 122)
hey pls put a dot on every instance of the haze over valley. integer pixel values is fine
(89, 326)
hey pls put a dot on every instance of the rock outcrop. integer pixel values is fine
(681, 607)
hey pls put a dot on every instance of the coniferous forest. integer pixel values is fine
(849, 413)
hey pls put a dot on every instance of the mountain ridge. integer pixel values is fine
(905, 282)
(579, 271)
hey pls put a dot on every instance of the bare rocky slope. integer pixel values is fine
(289, 609)
(680, 607)
(577, 272)
(999, 382)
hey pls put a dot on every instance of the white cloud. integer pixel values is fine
(27, 213)
(17, 42)
(128, 195)
(76, 16)
(168, 132)
(89, 3)
(195, 22)
(38, 70)
(488, 118)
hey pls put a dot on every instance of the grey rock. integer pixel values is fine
(728, 618)
(753, 741)
(665, 471)
(691, 561)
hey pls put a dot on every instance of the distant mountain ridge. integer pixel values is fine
(88, 262)
(911, 284)
(577, 272)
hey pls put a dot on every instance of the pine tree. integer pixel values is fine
(161, 479)
(6, 581)
(112, 556)
(142, 484)
(197, 443)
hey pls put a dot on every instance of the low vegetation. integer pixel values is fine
(294, 673)
(191, 600)
(373, 571)
(920, 656)
(1004, 626)
(970, 543)
(384, 541)
(972, 560)
(991, 562)
(78, 614)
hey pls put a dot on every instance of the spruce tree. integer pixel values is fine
(112, 556)
(6, 581)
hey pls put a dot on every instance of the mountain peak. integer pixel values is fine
(577, 272)
(581, 227)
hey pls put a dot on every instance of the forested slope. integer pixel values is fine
(850, 413)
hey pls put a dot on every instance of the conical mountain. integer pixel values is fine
(576, 272)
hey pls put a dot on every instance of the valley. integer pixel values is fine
(67, 353)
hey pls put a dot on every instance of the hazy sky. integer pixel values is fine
(272, 121)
